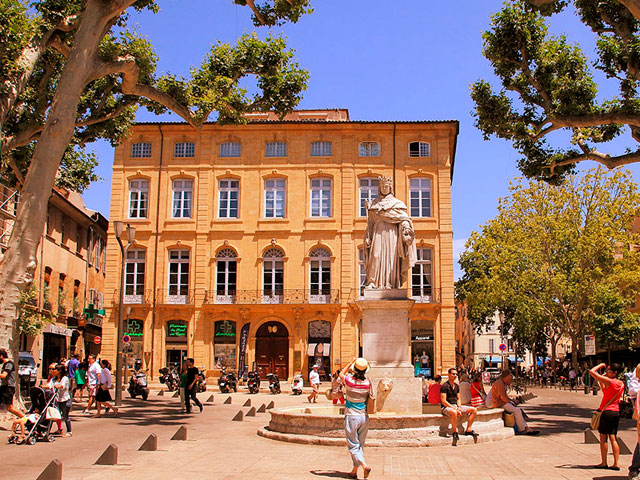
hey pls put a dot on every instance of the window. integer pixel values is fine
(419, 149)
(184, 149)
(230, 149)
(228, 192)
(138, 198)
(321, 149)
(369, 149)
(98, 252)
(421, 280)
(320, 197)
(178, 276)
(273, 276)
(63, 231)
(134, 276)
(276, 149)
(182, 196)
(320, 276)
(368, 193)
(492, 345)
(226, 275)
(78, 239)
(224, 343)
(274, 197)
(141, 150)
(420, 197)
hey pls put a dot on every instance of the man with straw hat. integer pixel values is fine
(358, 393)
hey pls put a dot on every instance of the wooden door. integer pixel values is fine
(272, 356)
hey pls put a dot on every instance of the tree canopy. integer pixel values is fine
(548, 85)
(558, 260)
(37, 39)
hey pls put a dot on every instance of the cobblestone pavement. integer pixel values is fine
(218, 448)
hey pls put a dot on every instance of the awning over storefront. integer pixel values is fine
(539, 362)
(512, 358)
(56, 330)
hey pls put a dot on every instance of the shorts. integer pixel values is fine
(465, 409)
(6, 394)
(92, 390)
(609, 421)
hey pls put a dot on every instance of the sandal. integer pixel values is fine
(600, 467)
(614, 468)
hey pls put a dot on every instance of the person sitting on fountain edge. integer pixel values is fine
(452, 406)
(500, 399)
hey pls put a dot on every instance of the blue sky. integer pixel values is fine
(402, 60)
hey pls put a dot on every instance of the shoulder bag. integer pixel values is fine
(595, 418)
(371, 402)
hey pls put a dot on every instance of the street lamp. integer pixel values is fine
(131, 234)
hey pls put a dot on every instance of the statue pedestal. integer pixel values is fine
(386, 344)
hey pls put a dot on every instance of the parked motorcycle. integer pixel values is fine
(170, 377)
(274, 383)
(227, 382)
(201, 383)
(296, 385)
(253, 381)
(138, 384)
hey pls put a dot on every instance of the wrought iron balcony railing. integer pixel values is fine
(134, 296)
(175, 296)
(287, 297)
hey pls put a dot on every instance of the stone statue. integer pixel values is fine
(389, 243)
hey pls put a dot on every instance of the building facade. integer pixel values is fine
(248, 246)
(69, 276)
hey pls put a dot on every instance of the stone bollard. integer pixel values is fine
(161, 393)
(109, 456)
(239, 417)
(228, 401)
(53, 471)
(271, 405)
(590, 437)
(624, 450)
(247, 403)
(251, 412)
(261, 409)
(181, 434)
(150, 444)
(176, 394)
(210, 399)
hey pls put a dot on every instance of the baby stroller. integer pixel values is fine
(42, 403)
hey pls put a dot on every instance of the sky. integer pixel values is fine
(401, 60)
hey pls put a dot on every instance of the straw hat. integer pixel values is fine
(361, 364)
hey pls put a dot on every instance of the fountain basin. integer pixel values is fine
(324, 425)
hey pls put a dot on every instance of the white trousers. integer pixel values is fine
(517, 413)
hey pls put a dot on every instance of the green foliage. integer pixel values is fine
(31, 322)
(547, 84)
(104, 111)
(550, 256)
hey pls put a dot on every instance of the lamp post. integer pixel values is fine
(131, 234)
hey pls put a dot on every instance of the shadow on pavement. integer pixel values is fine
(560, 418)
(331, 473)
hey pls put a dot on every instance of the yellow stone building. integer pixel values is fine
(248, 238)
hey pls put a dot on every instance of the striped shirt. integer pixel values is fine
(356, 393)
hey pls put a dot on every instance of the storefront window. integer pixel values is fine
(422, 347)
(176, 343)
(319, 348)
(224, 344)
(134, 328)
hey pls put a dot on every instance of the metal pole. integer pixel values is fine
(119, 358)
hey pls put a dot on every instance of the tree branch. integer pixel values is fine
(127, 67)
(633, 6)
(256, 12)
(602, 158)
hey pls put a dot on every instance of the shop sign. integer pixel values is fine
(134, 328)
(244, 336)
(56, 330)
(421, 338)
(225, 328)
(177, 329)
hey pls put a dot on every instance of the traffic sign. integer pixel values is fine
(97, 339)
(589, 345)
(126, 339)
(502, 347)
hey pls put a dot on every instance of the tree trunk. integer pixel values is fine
(19, 261)
(554, 345)
(575, 350)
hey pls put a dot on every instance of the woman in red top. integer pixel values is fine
(612, 390)
(433, 394)
(477, 391)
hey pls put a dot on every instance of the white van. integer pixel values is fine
(27, 368)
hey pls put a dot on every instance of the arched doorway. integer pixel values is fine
(272, 350)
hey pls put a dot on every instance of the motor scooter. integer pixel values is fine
(138, 384)
(201, 384)
(170, 378)
(227, 382)
(274, 383)
(253, 381)
(296, 385)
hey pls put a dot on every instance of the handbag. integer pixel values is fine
(52, 413)
(371, 403)
(595, 418)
